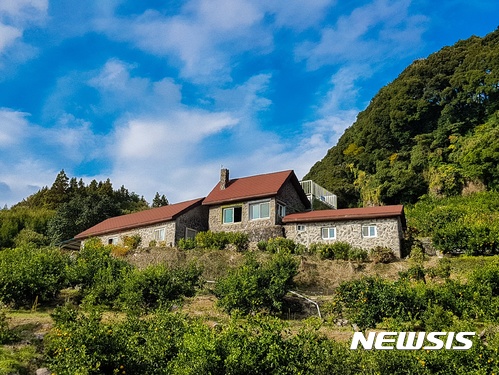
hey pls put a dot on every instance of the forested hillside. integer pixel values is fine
(433, 130)
(68, 207)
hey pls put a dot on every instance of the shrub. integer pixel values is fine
(133, 241)
(186, 244)
(262, 245)
(98, 274)
(381, 254)
(220, 240)
(255, 286)
(27, 273)
(280, 245)
(334, 250)
(152, 243)
(158, 285)
(119, 251)
(212, 240)
(6, 334)
(358, 254)
(239, 240)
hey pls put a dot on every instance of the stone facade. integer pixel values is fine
(195, 219)
(388, 233)
(258, 229)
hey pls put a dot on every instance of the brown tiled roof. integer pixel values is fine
(259, 186)
(346, 214)
(139, 219)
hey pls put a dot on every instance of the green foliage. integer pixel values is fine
(133, 241)
(255, 286)
(27, 237)
(432, 130)
(98, 274)
(27, 274)
(186, 244)
(17, 219)
(381, 254)
(6, 334)
(468, 224)
(157, 286)
(280, 245)
(159, 201)
(220, 240)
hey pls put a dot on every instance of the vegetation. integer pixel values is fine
(433, 130)
(255, 286)
(65, 209)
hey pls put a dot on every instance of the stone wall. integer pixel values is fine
(259, 229)
(290, 198)
(389, 233)
(246, 225)
(146, 233)
(196, 218)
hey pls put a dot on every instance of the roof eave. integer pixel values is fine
(339, 218)
(239, 199)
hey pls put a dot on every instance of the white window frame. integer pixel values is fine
(259, 204)
(371, 231)
(328, 229)
(300, 227)
(281, 210)
(160, 234)
(231, 208)
(112, 241)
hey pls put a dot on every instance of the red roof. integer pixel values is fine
(346, 214)
(259, 186)
(139, 219)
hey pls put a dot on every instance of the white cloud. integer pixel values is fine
(14, 127)
(201, 39)
(8, 34)
(369, 33)
(298, 14)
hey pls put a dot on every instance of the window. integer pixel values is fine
(281, 210)
(300, 227)
(329, 233)
(190, 233)
(159, 234)
(259, 210)
(369, 231)
(232, 215)
(112, 241)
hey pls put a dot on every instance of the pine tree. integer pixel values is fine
(159, 201)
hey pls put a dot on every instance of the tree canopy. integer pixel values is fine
(432, 130)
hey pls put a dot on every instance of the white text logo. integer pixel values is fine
(413, 340)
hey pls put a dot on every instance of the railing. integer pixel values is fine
(315, 191)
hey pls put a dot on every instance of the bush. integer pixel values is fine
(186, 244)
(255, 286)
(381, 254)
(280, 245)
(98, 274)
(212, 240)
(27, 274)
(6, 334)
(220, 240)
(132, 242)
(262, 245)
(358, 254)
(157, 286)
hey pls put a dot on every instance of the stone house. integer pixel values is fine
(366, 227)
(262, 206)
(164, 225)
(255, 205)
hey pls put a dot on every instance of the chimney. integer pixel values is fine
(224, 178)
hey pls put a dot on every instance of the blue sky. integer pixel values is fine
(157, 95)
